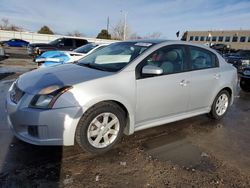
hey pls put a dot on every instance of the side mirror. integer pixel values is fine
(152, 70)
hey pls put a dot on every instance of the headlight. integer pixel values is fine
(48, 96)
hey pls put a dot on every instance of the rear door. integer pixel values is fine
(205, 78)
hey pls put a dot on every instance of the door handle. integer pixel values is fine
(184, 83)
(217, 76)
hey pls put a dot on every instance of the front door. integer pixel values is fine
(167, 94)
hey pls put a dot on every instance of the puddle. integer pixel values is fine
(180, 151)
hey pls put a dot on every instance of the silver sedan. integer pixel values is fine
(122, 88)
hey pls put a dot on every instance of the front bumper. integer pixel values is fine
(43, 127)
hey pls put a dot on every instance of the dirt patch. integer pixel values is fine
(128, 165)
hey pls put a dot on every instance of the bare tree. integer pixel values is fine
(75, 34)
(154, 35)
(5, 25)
(134, 36)
(119, 29)
(13, 27)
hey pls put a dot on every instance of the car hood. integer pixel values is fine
(52, 54)
(61, 75)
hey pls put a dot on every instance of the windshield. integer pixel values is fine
(86, 48)
(115, 56)
(55, 42)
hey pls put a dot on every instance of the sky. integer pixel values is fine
(144, 17)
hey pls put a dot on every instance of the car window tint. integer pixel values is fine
(201, 58)
(80, 42)
(171, 59)
(68, 42)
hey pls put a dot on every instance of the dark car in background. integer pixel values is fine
(223, 48)
(241, 60)
(244, 69)
(15, 43)
(64, 43)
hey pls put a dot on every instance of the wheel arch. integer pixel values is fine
(229, 90)
(130, 121)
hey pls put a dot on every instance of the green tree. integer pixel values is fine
(45, 30)
(104, 34)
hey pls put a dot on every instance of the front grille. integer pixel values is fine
(16, 94)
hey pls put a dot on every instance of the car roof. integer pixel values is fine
(154, 41)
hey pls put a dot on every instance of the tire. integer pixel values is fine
(218, 110)
(245, 84)
(93, 133)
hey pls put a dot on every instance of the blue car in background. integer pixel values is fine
(15, 43)
(52, 58)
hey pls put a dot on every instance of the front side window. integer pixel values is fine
(202, 59)
(171, 59)
(56, 42)
(68, 42)
(115, 56)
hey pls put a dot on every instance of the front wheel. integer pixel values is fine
(100, 128)
(245, 84)
(220, 105)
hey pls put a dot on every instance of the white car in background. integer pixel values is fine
(52, 58)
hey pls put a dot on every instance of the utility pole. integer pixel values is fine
(124, 25)
(108, 24)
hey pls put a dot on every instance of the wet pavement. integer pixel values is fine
(196, 152)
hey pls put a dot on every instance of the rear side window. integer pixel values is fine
(202, 59)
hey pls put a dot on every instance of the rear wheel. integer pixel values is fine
(245, 84)
(220, 105)
(100, 128)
